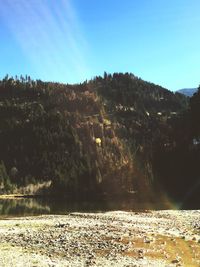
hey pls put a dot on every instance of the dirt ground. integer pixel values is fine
(152, 238)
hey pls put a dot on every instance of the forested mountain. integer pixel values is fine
(106, 136)
(177, 166)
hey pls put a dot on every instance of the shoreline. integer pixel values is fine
(118, 238)
(16, 196)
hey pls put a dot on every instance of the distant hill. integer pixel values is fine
(188, 91)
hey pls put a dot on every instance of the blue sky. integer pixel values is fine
(74, 40)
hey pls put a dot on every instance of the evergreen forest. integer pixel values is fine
(115, 135)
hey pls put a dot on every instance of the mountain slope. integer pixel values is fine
(90, 139)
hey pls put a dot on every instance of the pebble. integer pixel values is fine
(94, 238)
(175, 261)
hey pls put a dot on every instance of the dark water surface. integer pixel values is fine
(38, 206)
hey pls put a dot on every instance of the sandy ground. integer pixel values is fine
(153, 238)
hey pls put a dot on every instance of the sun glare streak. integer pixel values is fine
(50, 37)
(75, 36)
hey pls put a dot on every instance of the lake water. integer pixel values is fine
(38, 206)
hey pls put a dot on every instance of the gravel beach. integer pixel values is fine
(152, 238)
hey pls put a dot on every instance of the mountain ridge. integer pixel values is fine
(187, 91)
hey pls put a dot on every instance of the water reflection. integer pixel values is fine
(22, 207)
(38, 206)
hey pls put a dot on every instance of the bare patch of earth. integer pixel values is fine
(154, 238)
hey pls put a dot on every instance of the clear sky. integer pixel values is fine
(74, 40)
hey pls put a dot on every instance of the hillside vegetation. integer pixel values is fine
(109, 135)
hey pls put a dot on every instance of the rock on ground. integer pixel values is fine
(153, 238)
